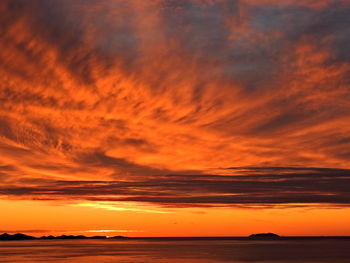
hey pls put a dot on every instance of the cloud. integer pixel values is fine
(119, 95)
(250, 186)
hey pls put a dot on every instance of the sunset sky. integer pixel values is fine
(175, 117)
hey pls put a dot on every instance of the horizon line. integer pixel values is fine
(215, 236)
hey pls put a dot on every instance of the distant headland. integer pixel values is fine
(20, 236)
(264, 236)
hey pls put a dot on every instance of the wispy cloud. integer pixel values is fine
(119, 206)
(110, 231)
(134, 101)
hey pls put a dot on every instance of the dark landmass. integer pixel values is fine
(264, 236)
(20, 236)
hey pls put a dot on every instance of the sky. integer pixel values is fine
(175, 118)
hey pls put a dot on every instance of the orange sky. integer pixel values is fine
(134, 116)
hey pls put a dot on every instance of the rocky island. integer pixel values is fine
(264, 236)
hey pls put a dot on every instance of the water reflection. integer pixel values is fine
(174, 251)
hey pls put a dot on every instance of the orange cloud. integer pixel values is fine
(117, 90)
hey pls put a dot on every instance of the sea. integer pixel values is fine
(174, 250)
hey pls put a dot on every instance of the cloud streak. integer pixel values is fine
(258, 187)
(139, 100)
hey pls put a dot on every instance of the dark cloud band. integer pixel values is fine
(249, 186)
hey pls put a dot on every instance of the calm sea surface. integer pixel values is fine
(173, 251)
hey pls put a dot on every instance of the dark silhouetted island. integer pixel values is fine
(264, 236)
(20, 236)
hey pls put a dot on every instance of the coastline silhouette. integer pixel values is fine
(20, 236)
(258, 236)
(265, 236)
